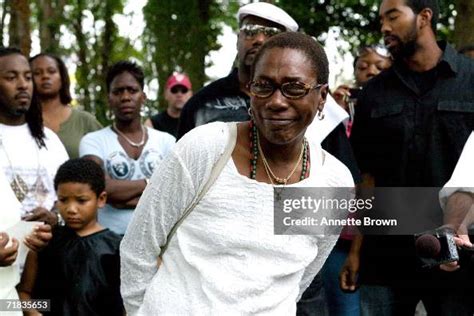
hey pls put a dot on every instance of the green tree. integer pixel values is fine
(49, 18)
(180, 34)
(357, 19)
(19, 28)
(3, 16)
(464, 23)
(97, 48)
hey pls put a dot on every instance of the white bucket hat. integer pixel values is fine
(269, 12)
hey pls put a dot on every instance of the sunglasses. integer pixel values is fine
(252, 30)
(180, 89)
(291, 90)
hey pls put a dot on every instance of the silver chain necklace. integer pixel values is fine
(132, 143)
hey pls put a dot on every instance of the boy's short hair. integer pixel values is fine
(81, 170)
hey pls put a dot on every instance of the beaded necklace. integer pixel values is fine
(254, 149)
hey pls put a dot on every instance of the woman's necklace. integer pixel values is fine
(279, 180)
(256, 149)
(132, 143)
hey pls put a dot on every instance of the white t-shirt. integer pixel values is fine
(119, 166)
(20, 155)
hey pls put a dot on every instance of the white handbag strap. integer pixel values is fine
(216, 171)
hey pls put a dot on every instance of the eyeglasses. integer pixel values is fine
(251, 30)
(377, 48)
(177, 89)
(292, 90)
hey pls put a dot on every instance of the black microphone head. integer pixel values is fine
(428, 246)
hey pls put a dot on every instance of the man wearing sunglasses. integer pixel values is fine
(177, 92)
(410, 126)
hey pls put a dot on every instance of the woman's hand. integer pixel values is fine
(7, 254)
(461, 241)
(41, 214)
(341, 95)
(39, 238)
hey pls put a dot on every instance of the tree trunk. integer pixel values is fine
(2, 21)
(83, 65)
(107, 39)
(19, 29)
(201, 51)
(45, 18)
(50, 20)
(463, 34)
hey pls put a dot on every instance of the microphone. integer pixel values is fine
(427, 246)
(436, 247)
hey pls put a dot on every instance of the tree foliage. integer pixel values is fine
(19, 29)
(96, 47)
(180, 34)
(49, 18)
(357, 19)
(4, 7)
(464, 23)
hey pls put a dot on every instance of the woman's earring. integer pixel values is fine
(249, 111)
(320, 115)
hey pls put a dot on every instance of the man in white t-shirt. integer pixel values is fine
(29, 158)
(29, 153)
(128, 151)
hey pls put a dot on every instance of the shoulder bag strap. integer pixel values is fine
(216, 171)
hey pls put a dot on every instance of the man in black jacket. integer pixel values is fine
(410, 126)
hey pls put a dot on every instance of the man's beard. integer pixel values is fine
(19, 111)
(407, 47)
(248, 59)
(13, 112)
(245, 62)
(244, 68)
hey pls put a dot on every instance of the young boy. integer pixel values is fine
(79, 271)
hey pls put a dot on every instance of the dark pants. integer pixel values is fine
(339, 303)
(313, 301)
(388, 301)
